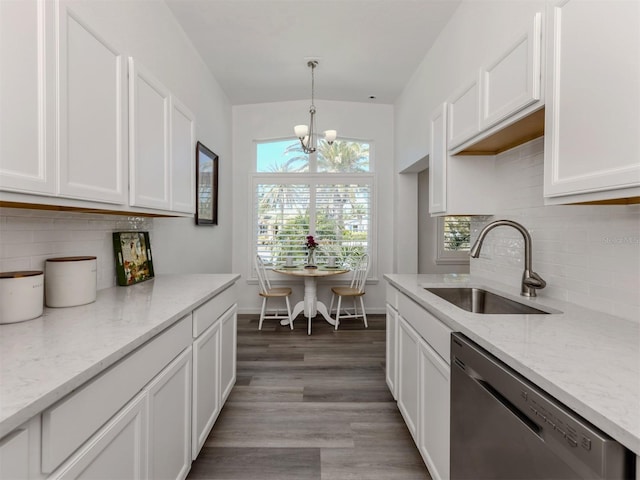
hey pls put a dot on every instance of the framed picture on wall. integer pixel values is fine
(206, 186)
(132, 251)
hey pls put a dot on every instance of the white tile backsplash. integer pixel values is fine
(588, 254)
(29, 237)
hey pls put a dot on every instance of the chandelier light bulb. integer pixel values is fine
(330, 136)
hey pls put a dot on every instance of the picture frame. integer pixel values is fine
(134, 263)
(206, 186)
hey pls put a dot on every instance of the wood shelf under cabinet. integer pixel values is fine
(522, 131)
(62, 208)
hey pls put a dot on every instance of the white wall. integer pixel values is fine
(148, 31)
(361, 121)
(588, 255)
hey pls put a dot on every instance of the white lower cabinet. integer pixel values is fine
(170, 421)
(408, 375)
(206, 386)
(14, 455)
(423, 381)
(391, 370)
(118, 451)
(433, 426)
(228, 332)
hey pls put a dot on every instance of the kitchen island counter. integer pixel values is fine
(588, 360)
(44, 359)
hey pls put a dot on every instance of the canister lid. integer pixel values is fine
(70, 259)
(21, 273)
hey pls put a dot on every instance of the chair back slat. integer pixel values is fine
(360, 273)
(263, 279)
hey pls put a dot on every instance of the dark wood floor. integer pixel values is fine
(310, 407)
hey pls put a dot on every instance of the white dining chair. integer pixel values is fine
(267, 292)
(355, 291)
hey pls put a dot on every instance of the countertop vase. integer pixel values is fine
(311, 259)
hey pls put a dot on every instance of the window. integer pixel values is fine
(454, 237)
(328, 194)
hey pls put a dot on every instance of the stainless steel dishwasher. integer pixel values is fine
(504, 427)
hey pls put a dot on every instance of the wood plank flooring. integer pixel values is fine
(310, 407)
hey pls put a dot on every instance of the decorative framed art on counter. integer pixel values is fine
(134, 262)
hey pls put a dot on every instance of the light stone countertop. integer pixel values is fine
(44, 359)
(588, 360)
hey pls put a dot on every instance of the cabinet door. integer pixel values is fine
(206, 386)
(228, 329)
(119, 450)
(27, 97)
(592, 119)
(391, 359)
(92, 117)
(438, 161)
(149, 106)
(512, 81)
(170, 420)
(464, 114)
(14, 455)
(183, 171)
(433, 430)
(408, 375)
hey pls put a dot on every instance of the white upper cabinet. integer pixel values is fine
(512, 81)
(149, 108)
(464, 113)
(438, 161)
(495, 111)
(457, 185)
(592, 114)
(92, 116)
(183, 148)
(162, 139)
(27, 100)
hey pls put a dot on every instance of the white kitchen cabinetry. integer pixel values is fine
(170, 420)
(228, 338)
(161, 145)
(14, 455)
(391, 364)
(464, 113)
(27, 100)
(512, 81)
(214, 362)
(458, 185)
(206, 386)
(183, 148)
(92, 116)
(149, 169)
(592, 119)
(422, 356)
(495, 111)
(433, 428)
(119, 450)
(408, 375)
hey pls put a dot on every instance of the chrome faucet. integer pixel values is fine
(531, 281)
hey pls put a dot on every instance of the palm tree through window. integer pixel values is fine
(328, 194)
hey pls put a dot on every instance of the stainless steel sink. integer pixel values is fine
(477, 300)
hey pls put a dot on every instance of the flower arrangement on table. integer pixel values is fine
(311, 245)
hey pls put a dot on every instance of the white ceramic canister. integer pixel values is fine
(70, 281)
(21, 295)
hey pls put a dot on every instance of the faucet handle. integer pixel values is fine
(533, 280)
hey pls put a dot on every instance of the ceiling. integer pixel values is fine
(258, 49)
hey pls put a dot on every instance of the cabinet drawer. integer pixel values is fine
(209, 312)
(432, 330)
(69, 423)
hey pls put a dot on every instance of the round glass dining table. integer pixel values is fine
(310, 305)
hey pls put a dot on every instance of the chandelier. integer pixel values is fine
(307, 134)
